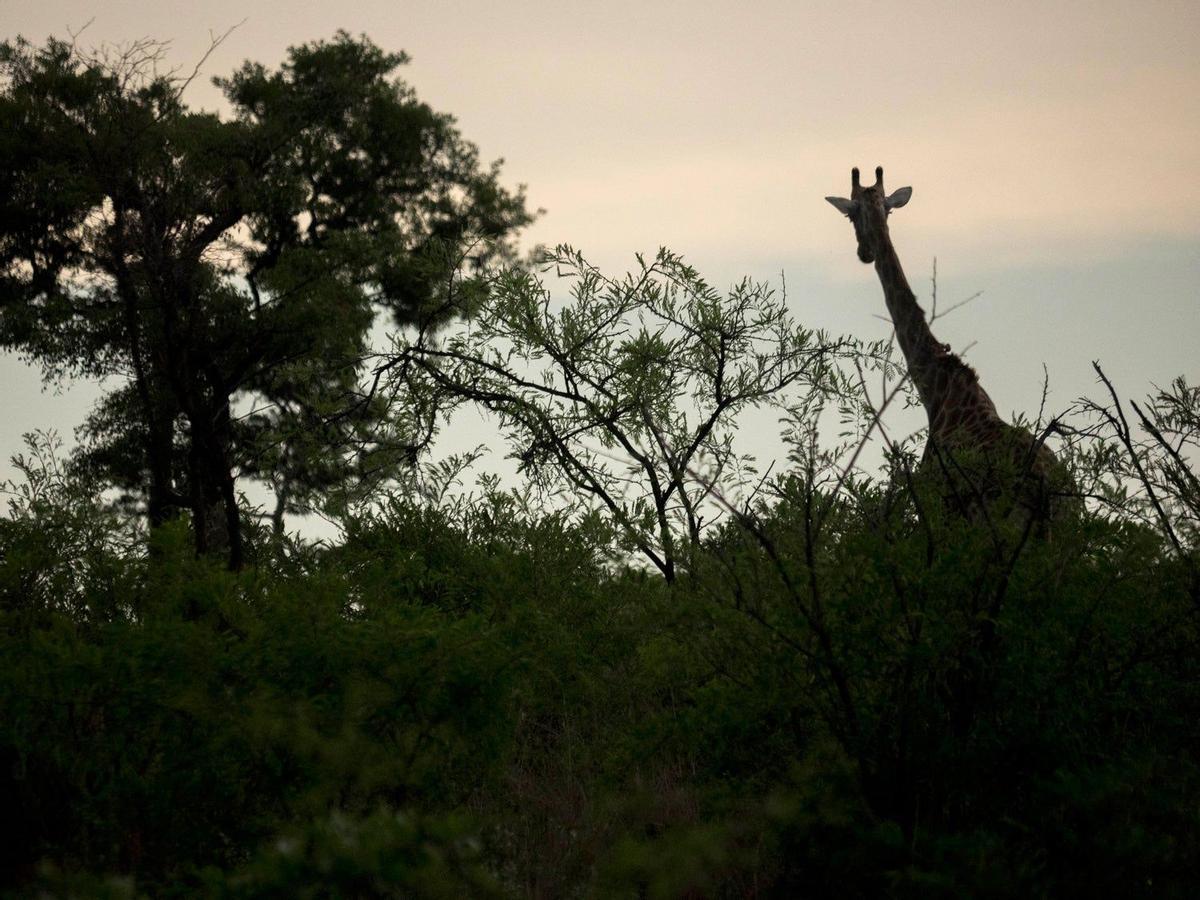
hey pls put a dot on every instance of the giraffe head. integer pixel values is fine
(868, 208)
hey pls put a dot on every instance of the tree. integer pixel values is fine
(624, 394)
(201, 261)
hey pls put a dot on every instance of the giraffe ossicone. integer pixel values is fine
(984, 457)
(848, 206)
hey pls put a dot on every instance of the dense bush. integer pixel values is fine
(478, 699)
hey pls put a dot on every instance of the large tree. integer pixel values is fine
(199, 261)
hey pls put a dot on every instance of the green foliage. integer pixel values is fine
(615, 398)
(198, 262)
(834, 685)
(383, 855)
(252, 703)
(474, 699)
(61, 551)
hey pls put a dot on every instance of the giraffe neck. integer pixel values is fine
(920, 348)
(957, 405)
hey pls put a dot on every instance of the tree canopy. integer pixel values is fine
(197, 261)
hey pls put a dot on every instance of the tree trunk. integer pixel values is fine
(159, 412)
(162, 500)
(281, 501)
(215, 516)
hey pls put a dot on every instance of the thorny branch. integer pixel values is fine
(654, 366)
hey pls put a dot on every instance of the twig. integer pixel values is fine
(1121, 426)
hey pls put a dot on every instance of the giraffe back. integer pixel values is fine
(989, 470)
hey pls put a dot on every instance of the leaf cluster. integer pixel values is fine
(475, 696)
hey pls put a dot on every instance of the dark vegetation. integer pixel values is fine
(650, 670)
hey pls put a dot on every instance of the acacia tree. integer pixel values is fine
(200, 259)
(627, 395)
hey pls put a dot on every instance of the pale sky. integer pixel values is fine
(1053, 149)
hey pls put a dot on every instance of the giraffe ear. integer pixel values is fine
(842, 205)
(898, 198)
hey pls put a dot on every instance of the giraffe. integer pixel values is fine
(982, 458)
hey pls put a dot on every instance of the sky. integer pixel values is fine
(1053, 150)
